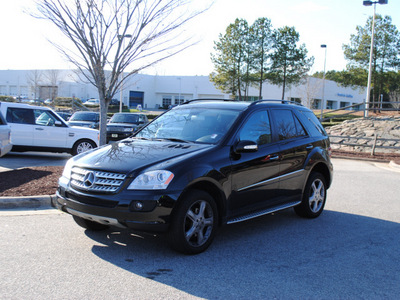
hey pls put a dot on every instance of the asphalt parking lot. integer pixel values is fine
(350, 252)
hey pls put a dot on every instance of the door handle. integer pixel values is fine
(38, 128)
(271, 157)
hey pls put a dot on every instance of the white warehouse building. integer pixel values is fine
(154, 91)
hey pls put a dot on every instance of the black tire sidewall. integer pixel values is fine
(177, 233)
(304, 209)
(76, 145)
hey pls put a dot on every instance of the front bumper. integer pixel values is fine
(119, 210)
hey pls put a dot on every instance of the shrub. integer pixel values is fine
(7, 99)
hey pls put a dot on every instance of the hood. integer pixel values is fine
(129, 155)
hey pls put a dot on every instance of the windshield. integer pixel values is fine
(84, 117)
(191, 124)
(125, 118)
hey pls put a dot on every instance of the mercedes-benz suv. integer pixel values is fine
(201, 165)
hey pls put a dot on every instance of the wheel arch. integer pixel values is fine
(214, 191)
(324, 170)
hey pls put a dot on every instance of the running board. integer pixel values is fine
(262, 212)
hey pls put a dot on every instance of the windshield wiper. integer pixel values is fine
(173, 140)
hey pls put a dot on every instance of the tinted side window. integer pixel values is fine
(315, 127)
(287, 125)
(20, 115)
(257, 129)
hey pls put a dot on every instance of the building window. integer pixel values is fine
(298, 100)
(329, 104)
(316, 103)
(166, 101)
(179, 100)
(344, 104)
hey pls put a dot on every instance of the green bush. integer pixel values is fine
(66, 101)
(115, 108)
(7, 99)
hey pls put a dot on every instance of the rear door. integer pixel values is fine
(294, 146)
(21, 121)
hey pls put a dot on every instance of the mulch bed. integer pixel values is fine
(30, 181)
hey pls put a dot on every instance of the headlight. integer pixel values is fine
(67, 169)
(152, 180)
(128, 129)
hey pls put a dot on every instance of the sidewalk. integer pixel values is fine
(42, 201)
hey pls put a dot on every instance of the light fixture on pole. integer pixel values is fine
(371, 53)
(323, 85)
(122, 73)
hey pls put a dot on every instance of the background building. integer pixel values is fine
(152, 91)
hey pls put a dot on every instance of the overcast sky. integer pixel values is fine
(330, 22)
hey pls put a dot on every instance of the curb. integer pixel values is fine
(393, 165)
(26, 202)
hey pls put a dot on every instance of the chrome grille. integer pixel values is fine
(93, 180)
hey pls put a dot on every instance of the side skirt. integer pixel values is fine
(262, 212)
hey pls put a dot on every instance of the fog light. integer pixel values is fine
(138, 205)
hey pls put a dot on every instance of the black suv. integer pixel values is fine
(200, 165)
(123, 125)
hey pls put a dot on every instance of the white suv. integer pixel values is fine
(37, 128)
(5, 137)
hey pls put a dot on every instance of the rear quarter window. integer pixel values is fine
(287, 125)
(313, 124)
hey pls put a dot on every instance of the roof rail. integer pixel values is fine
(276, 101)
(206, 99)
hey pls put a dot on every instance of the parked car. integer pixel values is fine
(5, 137)
(92, 102)
(114, 102)
(201, 165)
(88, 119)
(123, 125)
(37, 128)
(65, 115)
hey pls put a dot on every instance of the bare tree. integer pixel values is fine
(111, 35)
(34, 79)
(310, 91)
(53, 78)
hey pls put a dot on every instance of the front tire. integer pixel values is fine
(314, 197)
(82, 146)
(194, 223)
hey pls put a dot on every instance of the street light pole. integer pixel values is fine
(371, 53)
(122, 73)
(323, 85)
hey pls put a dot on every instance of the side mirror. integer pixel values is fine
(58, 123)
(246, 147)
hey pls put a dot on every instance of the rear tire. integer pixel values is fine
(314, 197)
(194, 223)
(87, 224)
